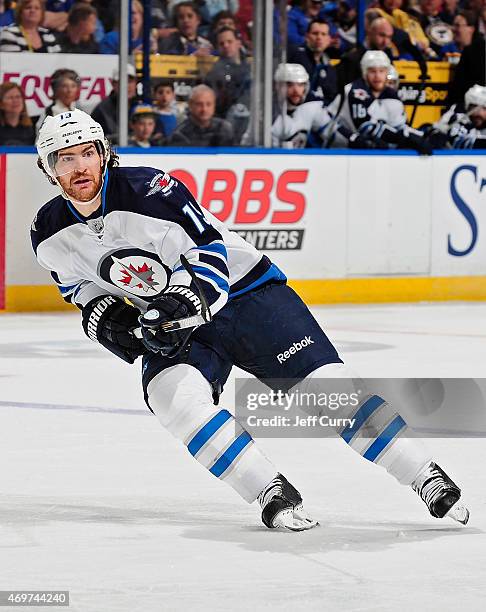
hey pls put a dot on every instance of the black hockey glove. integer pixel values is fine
(110, 321)
(357, 141)
(178, 302)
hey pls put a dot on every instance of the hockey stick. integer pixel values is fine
(188, 322)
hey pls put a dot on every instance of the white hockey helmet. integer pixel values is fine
(291, 73)
(393, 78)
(374, 59)
(68, 130)
(475, 96)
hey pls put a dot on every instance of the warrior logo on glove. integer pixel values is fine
(177, 303)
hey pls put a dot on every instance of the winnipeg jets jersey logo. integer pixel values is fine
(140, 277)
(161, 182)
(360, 94)
(136, 272)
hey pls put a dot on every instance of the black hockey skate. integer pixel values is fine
(282, 507)
(440, 494)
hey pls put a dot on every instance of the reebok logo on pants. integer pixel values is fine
(295, 348)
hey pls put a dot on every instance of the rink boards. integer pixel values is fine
(344, 227)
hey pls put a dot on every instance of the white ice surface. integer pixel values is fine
(97, 499)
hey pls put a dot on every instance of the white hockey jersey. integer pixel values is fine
(292, 130)
(131, 246)
(458, 127)
(359, 106)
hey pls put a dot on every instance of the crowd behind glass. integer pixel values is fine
(331, 92)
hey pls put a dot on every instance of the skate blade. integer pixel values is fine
(294, 519)
(459, 513)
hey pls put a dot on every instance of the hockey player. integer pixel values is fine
(392, 78)
(201, 300)
(370, 114)
(300, 123)
(464, 127)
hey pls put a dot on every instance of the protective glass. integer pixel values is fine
(62, 164)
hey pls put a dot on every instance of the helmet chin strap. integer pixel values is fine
(80, 202)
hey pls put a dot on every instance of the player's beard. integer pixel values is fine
(477, 121)
(81, 186)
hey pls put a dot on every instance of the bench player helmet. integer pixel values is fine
(374, 59)
(66, 130)
(292, 73)
(475, 96)
(393, 78)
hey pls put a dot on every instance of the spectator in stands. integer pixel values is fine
(344, 17)
(208, 8)
(111, 41)
(79, 34)
(7, 15)
(202, 128)
(323, 80)
(464, 29)
(378, 38)
(391, 11)
(165, 105)
(186, 40)
(106, 112)
(224, 19)
(470, 71)
(66, 86)
(27, 34)
(230, 79)
(450, 8)
(213, 7)
(482, 20)
(142, 124)
(16, 127)
(244, 21)
(56, 16)
(438, 31)
(107, 12)
(298, 18)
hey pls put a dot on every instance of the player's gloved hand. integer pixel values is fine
(357, 141)
(110, 321)
(178, 302)
(372, 130)
(459, 137)
(464, 142)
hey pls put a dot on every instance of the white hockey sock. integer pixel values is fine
(379, 433)
(181, 398)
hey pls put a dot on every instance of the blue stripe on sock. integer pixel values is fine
(361, 416)
(230, 454)
(384, 438)
(206, 432)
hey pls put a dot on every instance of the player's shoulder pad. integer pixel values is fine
(146, 191)
(53, 217)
